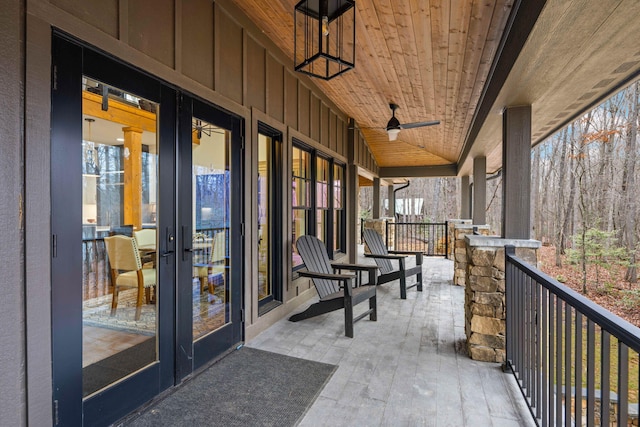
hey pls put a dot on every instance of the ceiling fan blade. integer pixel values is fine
(419, 124)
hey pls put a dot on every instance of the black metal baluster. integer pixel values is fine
(552, 353)
(591, 373)
(567, 364)
(544, 386)
(605, 378)
(623, 384)
(536, 349)
(559, 362)
(578, 370)
(528, 336)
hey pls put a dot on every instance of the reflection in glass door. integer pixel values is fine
(211, 178)
(119, 196)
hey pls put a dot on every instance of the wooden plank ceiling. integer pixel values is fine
(429, 57)
(433, 58)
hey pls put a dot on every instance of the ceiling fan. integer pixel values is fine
(394, 126)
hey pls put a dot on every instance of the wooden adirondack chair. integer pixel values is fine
(383, 259)
(335, 290)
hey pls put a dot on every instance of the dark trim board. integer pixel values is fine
(419, 171)
(523, 18)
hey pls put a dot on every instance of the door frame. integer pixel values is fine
(193, 355)
(71, 60)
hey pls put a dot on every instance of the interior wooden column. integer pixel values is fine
(133, 176)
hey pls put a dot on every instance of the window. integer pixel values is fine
(317, 200)
(322, 199)
(269, 218)
(339, 225)
(300, 198)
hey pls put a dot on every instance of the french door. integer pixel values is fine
(145, 235)
(209, 269)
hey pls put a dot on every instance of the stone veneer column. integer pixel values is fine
(451, 234)
(460, 250)
(485, 310)
(380, 225)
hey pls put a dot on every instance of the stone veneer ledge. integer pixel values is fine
(459, 248)
(485, 310)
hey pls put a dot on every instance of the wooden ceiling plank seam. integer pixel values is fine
(440, 38)
(409, 44)
(517, 30)
(498, 22)
(380, 49)
(422, 34)
(390, 21)
(458, 29)
(479, 25)
(377, 79)
(388, 25)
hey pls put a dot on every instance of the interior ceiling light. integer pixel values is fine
(201, 127)
(324, 37)
(90, 168)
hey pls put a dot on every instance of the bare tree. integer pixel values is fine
(628, 185)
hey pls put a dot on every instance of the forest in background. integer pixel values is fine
(584, 190)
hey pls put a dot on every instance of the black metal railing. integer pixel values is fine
(431, 239)
(575, 362)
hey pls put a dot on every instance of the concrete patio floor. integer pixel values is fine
(407, 369)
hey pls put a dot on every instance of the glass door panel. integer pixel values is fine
(119, 196)
(211, 178)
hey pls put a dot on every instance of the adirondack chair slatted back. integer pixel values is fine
(315, 258)
(377, 247)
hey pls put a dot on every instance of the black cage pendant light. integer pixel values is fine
(325, 35)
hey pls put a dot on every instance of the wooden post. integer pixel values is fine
(392, 201)
(516, 168)
(479, 190)
(133, 176)
(465, 198)
(352, 190)
(376, 199)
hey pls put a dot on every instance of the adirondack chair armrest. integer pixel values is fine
(417, 254)
(385, 256)
(343, 278)
(340, 277)
(353, 267)
(371, 269)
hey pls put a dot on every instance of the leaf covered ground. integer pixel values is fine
(606, 287)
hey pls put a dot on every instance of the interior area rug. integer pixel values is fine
(97, 312)
(248, 387)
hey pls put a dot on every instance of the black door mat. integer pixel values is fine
(249, 387)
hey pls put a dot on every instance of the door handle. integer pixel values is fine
(166, 254)
(185, 234)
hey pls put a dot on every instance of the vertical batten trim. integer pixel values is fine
(216, 49)
(123, 21)
(267, 86)
(177, 38)
(245, 72)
